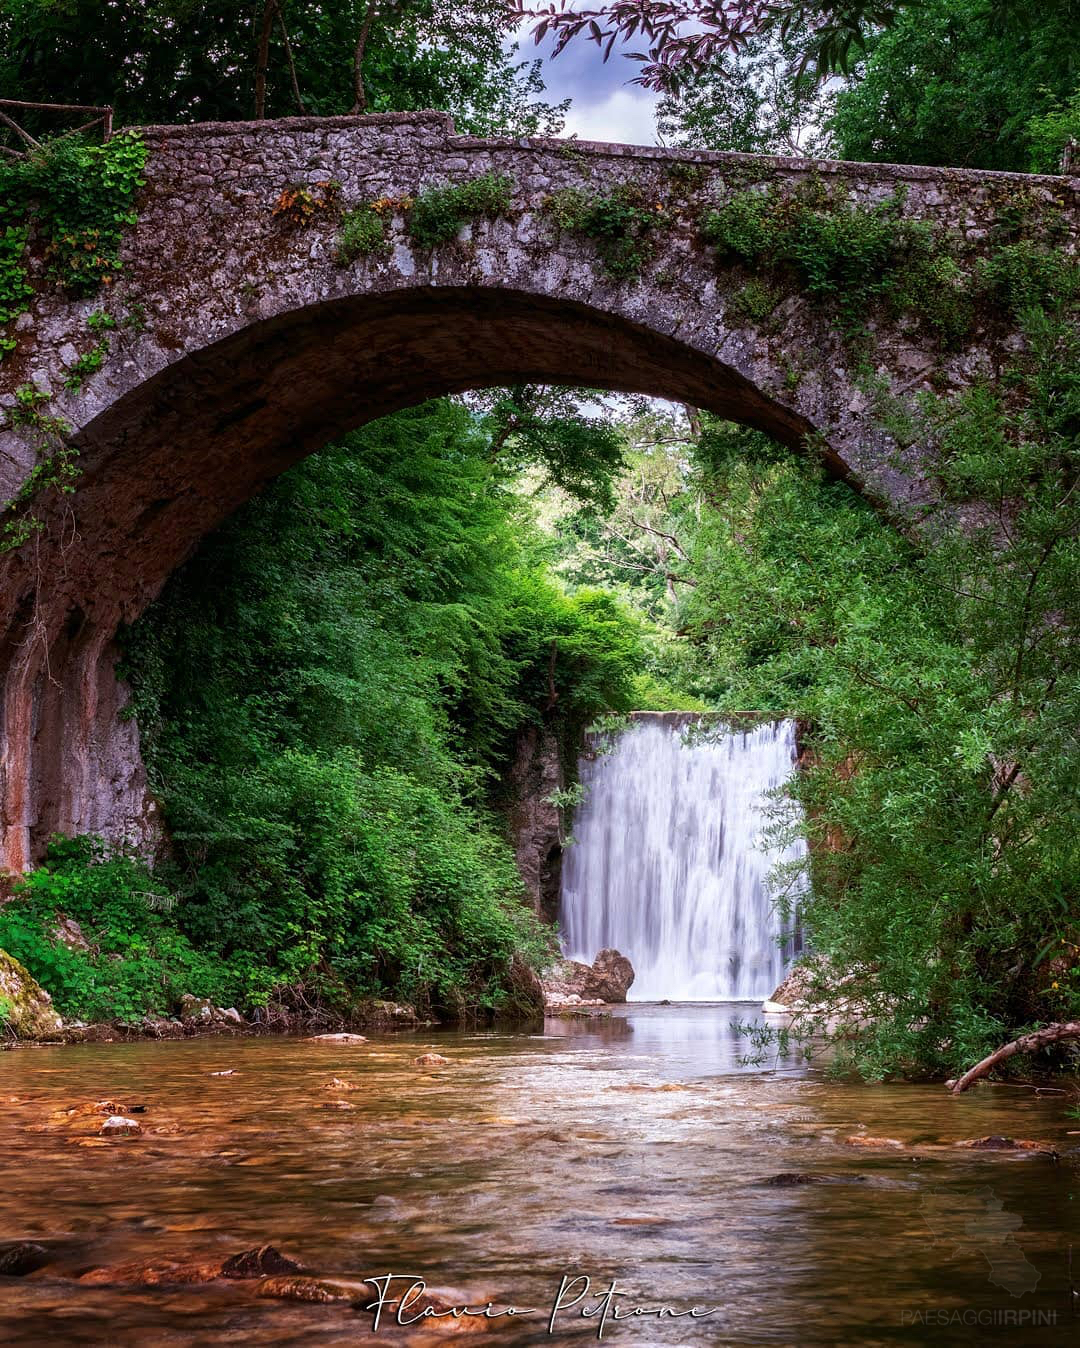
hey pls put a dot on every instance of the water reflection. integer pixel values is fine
(632, 1148)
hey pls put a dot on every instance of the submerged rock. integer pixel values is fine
(259, 1263)
(152, 1273)
(25, 1006)
(862, 1140)
(793, 1179)
(292, 1287)
(116, 1125)
(607, 979)
(431, 1060)
(998, 1143)
(20, 1257)
(335, 1039)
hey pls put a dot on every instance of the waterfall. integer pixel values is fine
(666, 864)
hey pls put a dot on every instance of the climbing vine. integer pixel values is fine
(74, 200)
(55, 467)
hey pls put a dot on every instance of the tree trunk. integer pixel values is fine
(289, 57)
(1028, 1043)
(360, 105)
(262, 57)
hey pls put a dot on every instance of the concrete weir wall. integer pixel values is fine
(255, 345)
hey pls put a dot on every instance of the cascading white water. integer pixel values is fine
(667, 865)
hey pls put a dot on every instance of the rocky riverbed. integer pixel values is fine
(219, 1189)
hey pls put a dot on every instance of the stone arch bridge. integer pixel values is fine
(254, 345)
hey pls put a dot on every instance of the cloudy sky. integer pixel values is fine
(606, 106)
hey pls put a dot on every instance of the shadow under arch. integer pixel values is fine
(172, 457)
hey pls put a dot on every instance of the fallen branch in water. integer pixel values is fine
(1027, 1043)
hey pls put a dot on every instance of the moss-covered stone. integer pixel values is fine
(25, 1007)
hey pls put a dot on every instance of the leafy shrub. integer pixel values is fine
(438, 213)
(1050, 132)
(299, 204)
(1028, 275)
(363, 231)
(620, 224)
(853, 257)
(137, 961)
(858, 258)
(327, 692)
(80, 197)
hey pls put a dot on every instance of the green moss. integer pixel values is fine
(25, 1008)
(756, 302)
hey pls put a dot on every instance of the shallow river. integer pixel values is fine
(634, 1148)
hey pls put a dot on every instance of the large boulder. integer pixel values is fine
(607, 979)
(25, 1006)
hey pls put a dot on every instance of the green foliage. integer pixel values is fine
(621, 223)
(15, 287)
(77, 198)
(136, 962)
(363, 232)
(56, 467)
(87, 364)
(1029, 275)
(749, 101)
(537, 425)
(327, 695)
(860, 258)
(180, 61)
(439, 213)
(854, 258)
(941, 681)
(101, 321)
(1051, 131)
(973, 83)
(756, 302)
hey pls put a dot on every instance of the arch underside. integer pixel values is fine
(172, 458)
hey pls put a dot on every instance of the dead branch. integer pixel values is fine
(1027, 1043)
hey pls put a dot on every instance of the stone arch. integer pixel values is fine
(259, 345)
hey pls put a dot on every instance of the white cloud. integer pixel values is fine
(626, 116)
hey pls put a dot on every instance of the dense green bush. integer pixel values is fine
(327, 695)
(941, 680)
(856, 258)
(80, 198)
(363, 231)
(137, 961)
(621, 223)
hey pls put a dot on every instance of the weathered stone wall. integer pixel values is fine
(252, 346)
(535, 823)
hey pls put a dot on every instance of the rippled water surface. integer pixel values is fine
(633, 1148)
